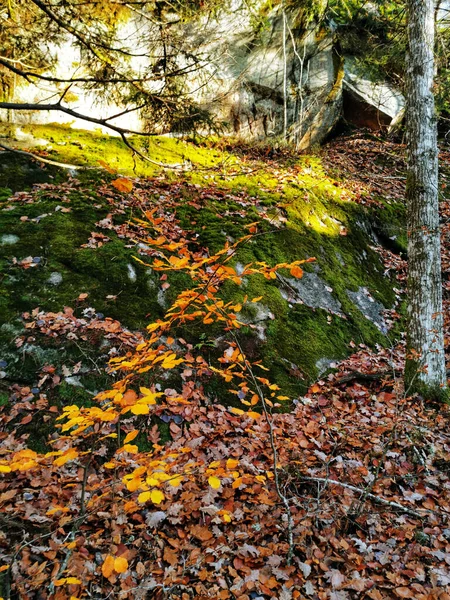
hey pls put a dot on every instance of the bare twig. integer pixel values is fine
(373, 497)
(40, 158)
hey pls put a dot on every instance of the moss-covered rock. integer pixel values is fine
(306, 214)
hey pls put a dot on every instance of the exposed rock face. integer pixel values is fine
(369, 307)
(282, 78)
(311, 290)
(368, 102)
(264, 74)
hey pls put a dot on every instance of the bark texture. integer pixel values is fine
(425, 366)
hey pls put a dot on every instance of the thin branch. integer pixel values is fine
(27, 75)
(68, 111)
(41, 159)
(373, 497)
(70, 29)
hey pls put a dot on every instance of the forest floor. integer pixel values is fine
(354, 503)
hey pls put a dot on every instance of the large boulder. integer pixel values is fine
(282, 77)
(263, 73)
(369, 102)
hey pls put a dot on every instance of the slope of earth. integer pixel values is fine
(355, 501)
(66, 244)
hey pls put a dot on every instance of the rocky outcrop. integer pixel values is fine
(369, 102)
(263, 73)
(282, 78)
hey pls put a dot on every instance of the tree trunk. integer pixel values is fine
(425, 365)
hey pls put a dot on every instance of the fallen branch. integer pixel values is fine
(41, 159)
(376, 499)
(357, 375)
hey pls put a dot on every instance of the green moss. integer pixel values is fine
(85, 148)
(72, 394)
(319, 223)
(18, 172)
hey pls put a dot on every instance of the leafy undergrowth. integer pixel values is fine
(365, 470)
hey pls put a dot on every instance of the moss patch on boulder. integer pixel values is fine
(307, 213)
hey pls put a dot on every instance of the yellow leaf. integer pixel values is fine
(130, 436)
(232, 463)
(120, 564)
(110, 465)
(257, 299)
(176, 481)
(140, 409)
(253, 415)
(4, 568)
(122, 184)
(144, 497)
(70, 454)
(152, 482)
(108, 566)
(236, 411)
(67, 581)
(226, 517)
(131, 448)
(214, 482)
(156, 496)
(108, 415)
(5, 469)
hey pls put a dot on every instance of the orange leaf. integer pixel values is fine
(232, 463)
(106, 166)
(108, 566)
(122, 184)
(130, 437)
(129, 398)
(297, 272)
(120, 565)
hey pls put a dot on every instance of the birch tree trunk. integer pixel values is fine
(425, 365)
